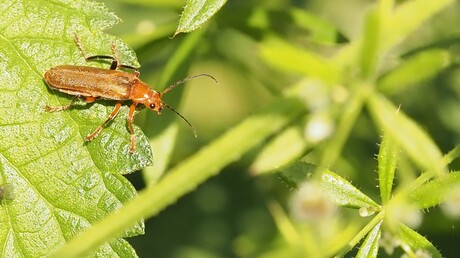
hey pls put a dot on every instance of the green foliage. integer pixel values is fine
(322, 96)
(387, 165)
(61, 184)
(197, 12)
(370, 246)
(416, 143)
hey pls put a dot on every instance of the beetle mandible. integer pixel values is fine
(91, 83)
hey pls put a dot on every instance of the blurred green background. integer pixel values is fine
(228, 215)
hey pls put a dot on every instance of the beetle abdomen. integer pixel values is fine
(90, 81)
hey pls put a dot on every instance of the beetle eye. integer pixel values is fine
(152, 106)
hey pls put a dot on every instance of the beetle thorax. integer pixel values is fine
(141, 93)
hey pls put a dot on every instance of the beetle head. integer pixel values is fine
(154, 102)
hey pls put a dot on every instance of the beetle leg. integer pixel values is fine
(115, 61)
(114, 64)
(80, 46)
(71, 104)
(132, 138)
(61, 108)
(90, 99)
(99, 128)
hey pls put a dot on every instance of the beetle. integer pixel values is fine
(91, 83)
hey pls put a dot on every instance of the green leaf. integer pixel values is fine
(424, 65)
(343, 193)
(417, 241)
(196, 13)
(400, 26)
(370, 246)
(270, 158)
(322, 31)
(370, 46)
(335, 187)
(388, 160)
(155, 3)
(397, 28)
(284, 56)
(433, 192)
(61, 184)
(296, 173)
(407, 134)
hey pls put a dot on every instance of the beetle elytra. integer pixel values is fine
(91, 83)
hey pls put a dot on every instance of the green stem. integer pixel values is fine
(362, 233)
(349, 116)
(187, 175)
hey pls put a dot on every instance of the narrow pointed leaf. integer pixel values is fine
(284, 56)
(270, 158)
(417, 242)
(397, 28)
(371, 43)
(296, 173)
(196, 13)
(343, 193)
(370, 247)
(400, 26)
(388, 157)
(336, 188)
(433, 193)
(407, 134)
(425, 65)
(322, 30)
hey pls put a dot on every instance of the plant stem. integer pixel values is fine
(362, 233)
(349, 116)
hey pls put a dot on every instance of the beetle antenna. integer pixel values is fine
(185, 119)
(170, 87)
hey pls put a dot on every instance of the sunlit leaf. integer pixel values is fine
(343, 193)
(433, 192)
(417, 242)
(286, 57)
(62, 185)
(196, 13)
(370, 246)
(388, 157)
(322, 30)
(270, 158)
(424, 65)
(407, 134)
(296, 173)
(335, 187)
(397, 27)
(400, 25)
(371, 42)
